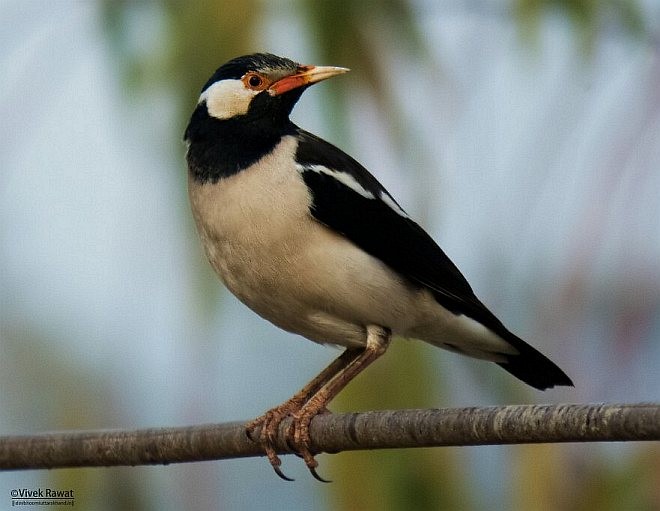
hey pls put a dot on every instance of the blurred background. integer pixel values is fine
(524, 135)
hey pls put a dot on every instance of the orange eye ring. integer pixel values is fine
(255, 81)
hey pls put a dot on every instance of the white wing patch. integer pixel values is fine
(227, 98)
(352, 183)
(385, 197)
(342, 177)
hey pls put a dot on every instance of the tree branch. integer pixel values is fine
(518, 424)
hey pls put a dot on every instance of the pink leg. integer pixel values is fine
(378, 339)
(313, 399)
(269, 422)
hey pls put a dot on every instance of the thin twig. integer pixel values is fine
(518, 424)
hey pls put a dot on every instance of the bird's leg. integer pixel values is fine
(270, 421)
(378, 339)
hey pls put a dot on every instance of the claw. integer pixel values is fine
(279, 472)
(263, 430)
(317, 476)
(302, 442)
(275, 461)
(311, 463)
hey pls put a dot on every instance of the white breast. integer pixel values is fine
(260, 238)
(248, 221)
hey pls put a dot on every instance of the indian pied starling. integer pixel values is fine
(307, 238)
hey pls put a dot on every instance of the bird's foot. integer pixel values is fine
(267, 426)
(298, 437)
(264, 430)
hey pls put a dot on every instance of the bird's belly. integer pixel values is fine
(314, 283)
(308, 280)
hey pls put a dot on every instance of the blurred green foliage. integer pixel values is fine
(590, 18)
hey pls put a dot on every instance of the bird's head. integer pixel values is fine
(260, 86)
(243, 111)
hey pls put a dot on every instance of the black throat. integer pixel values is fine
(221, 148)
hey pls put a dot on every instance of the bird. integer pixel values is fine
(307, 238)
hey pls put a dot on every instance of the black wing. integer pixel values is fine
(382, 231)
(368, 216)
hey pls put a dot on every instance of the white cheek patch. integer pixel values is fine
(227, 98)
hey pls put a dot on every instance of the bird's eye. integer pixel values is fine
(254, 81)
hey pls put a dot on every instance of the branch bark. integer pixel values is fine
(517, 424)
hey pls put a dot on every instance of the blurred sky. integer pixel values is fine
(537, 169)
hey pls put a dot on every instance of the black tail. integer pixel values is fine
(532, 367)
